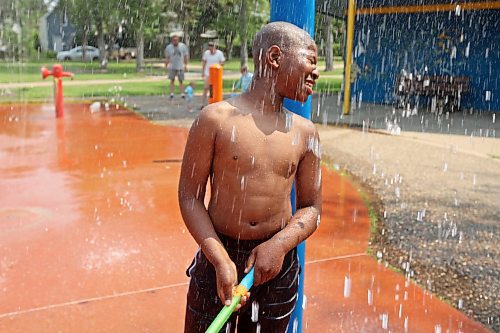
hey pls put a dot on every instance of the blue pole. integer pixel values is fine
(301, 13)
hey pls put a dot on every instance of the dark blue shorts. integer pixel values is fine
(270, 304)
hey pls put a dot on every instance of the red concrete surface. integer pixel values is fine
(91, 237)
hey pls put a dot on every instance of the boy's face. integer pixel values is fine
(298, 72)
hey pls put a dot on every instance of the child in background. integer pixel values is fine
(244, 82)
(189, 92)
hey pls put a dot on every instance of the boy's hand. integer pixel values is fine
(227, 278)
(267, 259)
(243, 301)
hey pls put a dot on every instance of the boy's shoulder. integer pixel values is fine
(302, 124)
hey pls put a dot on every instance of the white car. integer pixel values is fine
(91, 53)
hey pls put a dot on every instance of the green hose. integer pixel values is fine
(223, 316)
(226, 311)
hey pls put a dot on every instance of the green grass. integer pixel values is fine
(16, 72)
(127, 89)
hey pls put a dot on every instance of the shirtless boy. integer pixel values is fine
(252, 149)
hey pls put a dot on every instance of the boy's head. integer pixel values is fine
(244, 69)
(191, 84)
(287, 55)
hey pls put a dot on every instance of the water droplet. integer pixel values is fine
(295, 325)
(242, 183)
(288, 121)
(347, 287)
(385, 320)
(370, 297)
(255, 311)
(233, 134)
(437, 329)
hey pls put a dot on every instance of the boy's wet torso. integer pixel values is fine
(255, 160)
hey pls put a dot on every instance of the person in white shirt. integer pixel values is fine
(212, 56)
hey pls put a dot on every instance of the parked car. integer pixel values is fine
(91, 53)
(123, 53)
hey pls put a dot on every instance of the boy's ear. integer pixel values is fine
(273, 56)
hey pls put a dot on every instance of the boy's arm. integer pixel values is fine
(268, 257)
(196, 166)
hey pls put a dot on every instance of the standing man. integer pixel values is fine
(176, 61)
(212, 56)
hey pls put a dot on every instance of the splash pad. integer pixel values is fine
(90, 235)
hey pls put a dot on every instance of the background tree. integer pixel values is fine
(244, 32)
(258, 12)
(328, 31)
(144, 19)
(107, 18)
(78, 14)
(101, 17)
(226, 23)
(329, 34)
(19, 25)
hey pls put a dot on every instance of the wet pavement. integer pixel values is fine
(327, 109)
(91, 237)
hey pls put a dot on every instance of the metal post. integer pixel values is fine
(301, 13)
(351, 13)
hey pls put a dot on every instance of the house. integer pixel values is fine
(55, 32)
